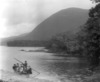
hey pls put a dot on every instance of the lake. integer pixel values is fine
(46, 63)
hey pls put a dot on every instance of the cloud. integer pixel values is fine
(36, 11)
(17, 29)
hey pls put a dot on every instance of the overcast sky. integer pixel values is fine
(22, 16)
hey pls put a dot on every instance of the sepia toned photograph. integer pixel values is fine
(49, 40)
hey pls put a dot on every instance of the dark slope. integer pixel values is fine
(64, 20)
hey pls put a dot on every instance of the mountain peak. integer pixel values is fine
(62, 21)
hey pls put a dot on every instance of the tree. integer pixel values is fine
(62, 42)
(92, 35)
(96, 1)
(58, 43)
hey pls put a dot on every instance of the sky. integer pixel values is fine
(22, 16)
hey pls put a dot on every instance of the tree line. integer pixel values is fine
(27, 43)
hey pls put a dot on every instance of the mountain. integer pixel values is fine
(65, 20)
(62, 21)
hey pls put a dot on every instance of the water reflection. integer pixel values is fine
(63, 66)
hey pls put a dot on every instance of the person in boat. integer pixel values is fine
(14, 67)
(17, 67)
(29, 70)
(25, 66)
(21, 69)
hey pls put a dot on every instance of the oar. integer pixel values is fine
(36, 71)
(18, 60)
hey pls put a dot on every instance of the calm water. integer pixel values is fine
(46, 63)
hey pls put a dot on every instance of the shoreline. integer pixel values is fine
(7, 76)
(92, 77)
